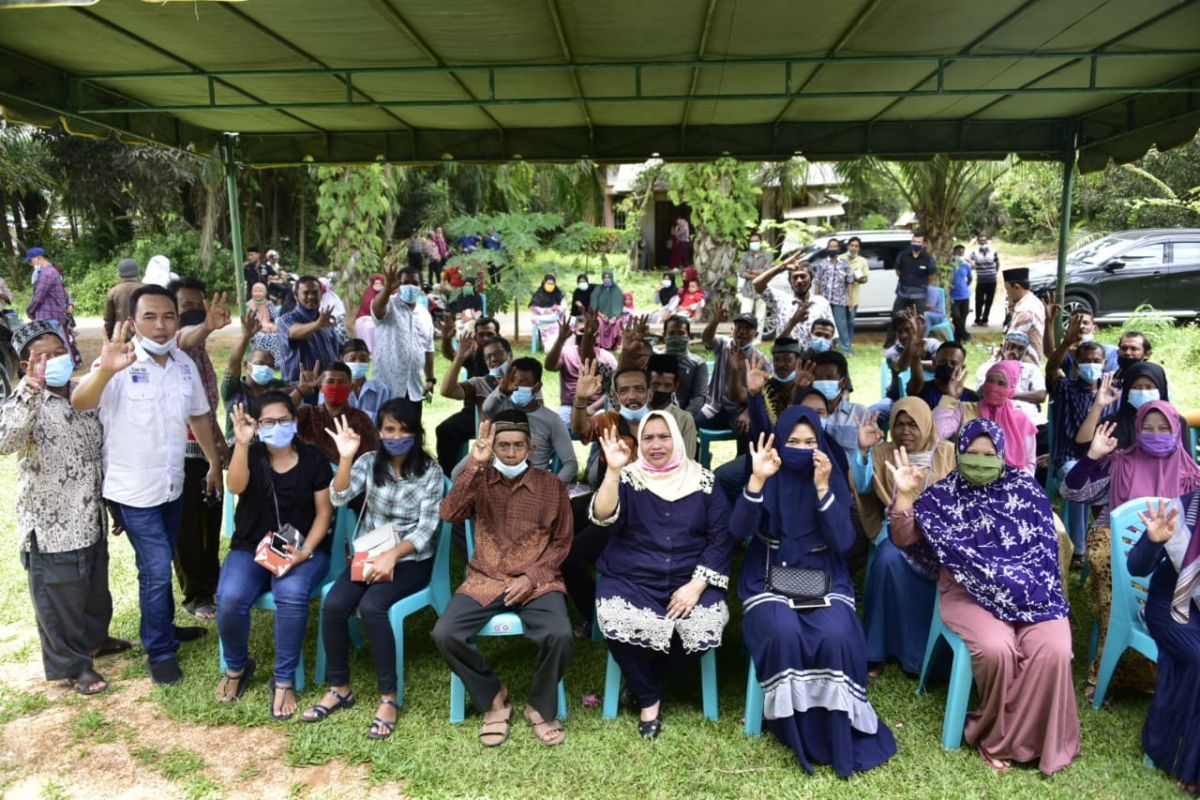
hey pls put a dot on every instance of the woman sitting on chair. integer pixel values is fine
(666, 566)
(404, 489)
(282, 484)
(1170, 549)
(900, 586)
(808, 651)
(996, 405)
(1156, 465)
(990, 528)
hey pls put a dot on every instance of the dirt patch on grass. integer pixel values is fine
(123, 745)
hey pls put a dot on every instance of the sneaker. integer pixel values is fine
(165, 672)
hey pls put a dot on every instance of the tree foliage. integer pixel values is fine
(351, 205)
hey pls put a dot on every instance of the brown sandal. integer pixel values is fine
(495, 729)
(549, 732)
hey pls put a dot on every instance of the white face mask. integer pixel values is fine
(756, 246)
(154, 348)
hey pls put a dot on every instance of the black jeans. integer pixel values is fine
(578, 567)
(985, 293)
(373, 601)
(958, 312)
(197, 551)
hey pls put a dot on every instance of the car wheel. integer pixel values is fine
(1077, 304)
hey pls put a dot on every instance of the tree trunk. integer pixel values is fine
(714, 262)
(18, 225)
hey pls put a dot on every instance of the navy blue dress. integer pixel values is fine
(1171, 736)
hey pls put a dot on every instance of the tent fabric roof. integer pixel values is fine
(622, 80)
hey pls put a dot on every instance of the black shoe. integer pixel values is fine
(189, 633)
(165, 672)
(651, 729)
(627, 698)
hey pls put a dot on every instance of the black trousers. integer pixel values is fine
(373, 601)
(71, 604)
(646, 670)
(454, 432)
(958, 312)
(578, 567)
(197, 553)
(546, 625)
(985, 293)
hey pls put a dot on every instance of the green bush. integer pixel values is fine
(875, 222)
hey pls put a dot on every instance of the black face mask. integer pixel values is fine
(943, 373)
(195, 316)
(1125, 362)
(578, 339)
(661, 400)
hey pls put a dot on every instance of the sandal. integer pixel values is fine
(88, 682)
(494, 731)
(243, 679)
(549, 732)
(320, 712)
(111, 647)
(271, 688)
(385, 727)
(998, 764)
(206, 611)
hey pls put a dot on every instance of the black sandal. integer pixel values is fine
(385, 727)
(651, 729)
(343, 701)
(271, 689)
(84, 681)
(243, 681)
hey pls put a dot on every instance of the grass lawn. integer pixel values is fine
(177, 742)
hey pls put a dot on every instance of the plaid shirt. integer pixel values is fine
(409, 504)
(49, 298)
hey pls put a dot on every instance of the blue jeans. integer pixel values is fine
(153, 532)
(841, 319)
(242, 582)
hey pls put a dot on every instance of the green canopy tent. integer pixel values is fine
(279, 82)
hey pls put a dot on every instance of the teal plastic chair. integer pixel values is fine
(885, 379)
(504, 624)
(753, 715)
(961, 677)
(706, 438)
(436, 596)
(343, 528)
(1126, 628)
(708, 685)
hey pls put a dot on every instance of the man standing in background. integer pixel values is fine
(986, 263)
(861, 270)
(116, 304)
(912, 272)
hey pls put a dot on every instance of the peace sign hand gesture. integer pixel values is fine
(244, 425)
(117, 354)
(907, 478)
(217, 314)
(1160, 524)
(1104, 442)
(309, 379)
(481, 451)
(764, 458)
(346, 439)
(616, 452)
(250, 325)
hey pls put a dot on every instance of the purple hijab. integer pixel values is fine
(998, 540)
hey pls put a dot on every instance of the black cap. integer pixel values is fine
(1019, 276)
(752, 320)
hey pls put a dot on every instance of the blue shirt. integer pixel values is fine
(960, 284)
(1110, 361)
(373, 395)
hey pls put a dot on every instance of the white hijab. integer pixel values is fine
(682, 478)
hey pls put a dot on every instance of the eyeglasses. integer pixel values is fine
(268, 422)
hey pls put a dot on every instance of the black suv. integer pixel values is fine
(1114, 275)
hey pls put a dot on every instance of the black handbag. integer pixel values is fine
(802, 586)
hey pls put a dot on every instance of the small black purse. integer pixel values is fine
(803, 587)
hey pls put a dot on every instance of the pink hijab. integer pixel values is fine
(1000, 410)
(1135, 472)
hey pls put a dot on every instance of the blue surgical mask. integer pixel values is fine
(58, 370)
(824, 422)
(359, 369)
(410, 293)
(789, 378)
(828, 389)
(278, 435)
(1087, 337)
(746, 348)
(1091, 372)
(399, 447)
(497, 372)
(1139, 397)
(154, 348)
(632, 415)
(522, 396)
(819, 345)
(510, 472)
(262, 374)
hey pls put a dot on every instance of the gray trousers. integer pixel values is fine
(72, 605)
(546, 625)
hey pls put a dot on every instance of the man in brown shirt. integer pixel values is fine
(312, 422)
(523, 529)
(116, 304)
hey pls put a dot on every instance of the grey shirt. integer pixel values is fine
(693, 383)
(549, 436)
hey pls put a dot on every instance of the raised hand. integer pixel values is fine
(1104, 442)
(244, 425)
(1052, 307)
(764, 458)
(481, 451)
(1106, 395)
(466, 347)
(117, 353)
(805, 374)
(822, 469)
(391, 279)
(955, 387)
(250, 325)
(906, 478)
(35, 376)
(1160, 523)
(590, 383)
(1074, 334)
(591, 322)
(869, 432)
(616, 452)
(756, 379)
(325, 318)
(800, 315)
(309, 379)
(346, 439)
(721, 312)
(216, 313)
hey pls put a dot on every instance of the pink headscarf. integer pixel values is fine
(1015, 424)
(1135, 472)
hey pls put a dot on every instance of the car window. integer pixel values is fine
(1185, 253)
(1145, 255)
(1098, 251)
(879, 256)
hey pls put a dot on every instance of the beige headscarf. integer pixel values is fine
(936, 458)
(682, 478)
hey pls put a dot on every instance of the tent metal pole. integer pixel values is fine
(1064, 212)
(229, 159)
